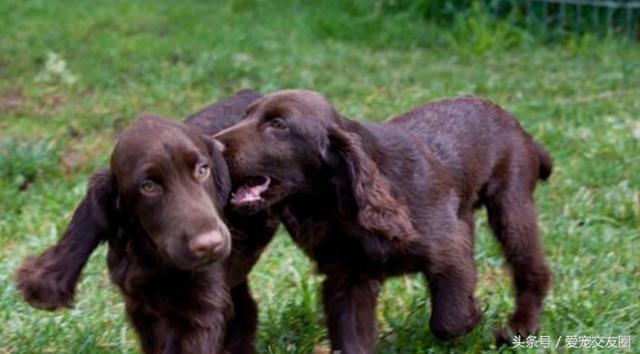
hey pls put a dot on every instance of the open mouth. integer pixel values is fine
(251, 190)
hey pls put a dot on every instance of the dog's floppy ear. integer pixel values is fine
(48, 281)
(378, 210)
(220, 170)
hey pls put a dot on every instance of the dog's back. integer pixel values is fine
(476, 140)
(223, 113)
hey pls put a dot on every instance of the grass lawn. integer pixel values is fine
(73, 73)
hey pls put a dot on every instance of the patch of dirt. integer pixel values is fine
(72, 159)
(491, 278)
(53, 101)
(48, 103)
(12, 100)
(82, 150)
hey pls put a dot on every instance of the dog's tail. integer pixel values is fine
(545, 161)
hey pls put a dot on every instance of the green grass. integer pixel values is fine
(73, 73)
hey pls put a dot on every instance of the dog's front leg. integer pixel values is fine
(149, 328)
(452, 279)
(241, 328)
(349, 306)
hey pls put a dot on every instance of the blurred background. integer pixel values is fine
(73, 73)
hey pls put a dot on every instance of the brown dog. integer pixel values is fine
(159, 207)
(160, 246)
(370, 201)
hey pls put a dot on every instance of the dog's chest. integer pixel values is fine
(163, 292)
(336, 244)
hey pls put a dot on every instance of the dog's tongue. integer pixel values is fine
(250, 192)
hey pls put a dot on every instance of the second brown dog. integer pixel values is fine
(371, 201)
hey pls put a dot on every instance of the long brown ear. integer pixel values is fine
(378, 210)
(48, 281)
(220, 170)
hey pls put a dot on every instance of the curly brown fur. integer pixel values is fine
(177, 302)
(372, 201)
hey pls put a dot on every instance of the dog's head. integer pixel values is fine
(279, 148)
(165, 188)
(165, 175)
(294, 142)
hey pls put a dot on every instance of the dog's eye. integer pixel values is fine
(202, 172)
(150, 187)
(278, 123)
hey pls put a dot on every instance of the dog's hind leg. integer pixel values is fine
(512, 217)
